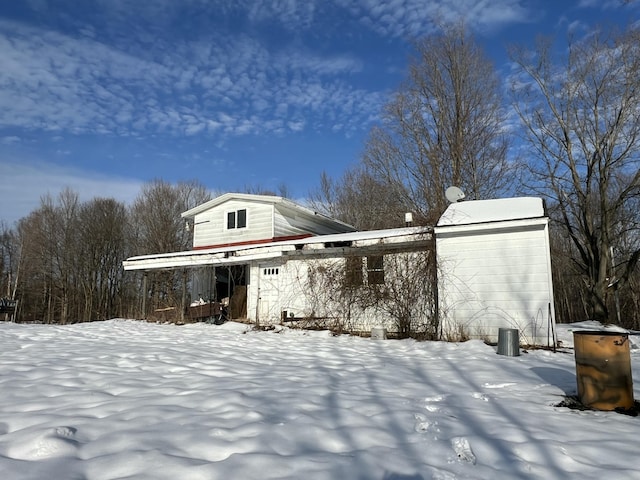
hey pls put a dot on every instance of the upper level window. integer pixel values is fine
(237, 219)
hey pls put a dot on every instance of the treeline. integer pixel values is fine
(63, 262)
(565, 128)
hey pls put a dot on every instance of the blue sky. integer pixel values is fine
(106, 95)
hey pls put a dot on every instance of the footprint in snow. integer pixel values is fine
(463, 449)
(480, 396)
(435, 398)
(499, 385)
(422, 424)
(56, 442)
(431, 403)
(65, 432)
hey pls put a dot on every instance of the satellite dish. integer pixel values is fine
(454, 194)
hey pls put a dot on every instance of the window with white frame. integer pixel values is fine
(237, 219)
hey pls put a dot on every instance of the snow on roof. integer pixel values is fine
(362, 235)
(267, 250)
(495, 210)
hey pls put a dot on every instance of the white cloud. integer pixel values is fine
(24, 184)
(576, 26)
(145, 81)
(58, 82)
(607, 4)
(296, 126)
(414, 18)
(10, 140)
(588, 3)
(292, 14)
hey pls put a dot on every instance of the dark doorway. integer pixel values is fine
(226, 284)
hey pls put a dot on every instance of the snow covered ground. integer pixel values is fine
(131, 400)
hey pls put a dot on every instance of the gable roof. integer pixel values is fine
(269, 199)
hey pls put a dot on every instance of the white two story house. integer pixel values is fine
(486, 265)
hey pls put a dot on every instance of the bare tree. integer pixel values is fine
(156, 215)
(445, 126)
(102, 231)
(282, 190)
(581, 113)
(9, 268)
(361, 200)
(48, 282)
(158, 228)
(64, 260)
(8, 260)
(32, 286)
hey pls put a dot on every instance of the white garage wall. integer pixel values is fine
(495, 275)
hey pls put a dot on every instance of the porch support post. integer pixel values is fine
(144, 295)
(183, 301)
(229, 292)
(214, 297)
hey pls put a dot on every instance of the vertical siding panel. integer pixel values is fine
(493, 280)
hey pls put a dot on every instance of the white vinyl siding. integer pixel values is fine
(211, 226)
(495, 279)
(285, 287)
(263, 221)
(286, 226)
